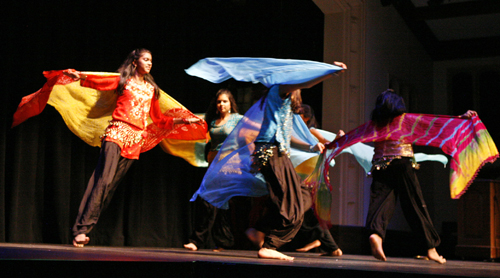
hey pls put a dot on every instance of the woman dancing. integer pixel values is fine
(393, 170)
(254, 162)
(464, 138)
(123, 139)
(310, 231)
(222, 116)
(394, 177)
(288, 200)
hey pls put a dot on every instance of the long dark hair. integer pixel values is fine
(127, 70)
(388, 106)
(212, 111)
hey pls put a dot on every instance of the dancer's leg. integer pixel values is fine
(110, 170)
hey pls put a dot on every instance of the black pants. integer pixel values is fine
(310, 231)
(210, 219)
(286, 204)
(110, 170)
(399, 180)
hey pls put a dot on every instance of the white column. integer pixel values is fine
(343, 100)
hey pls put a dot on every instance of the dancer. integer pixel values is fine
(465, 138)
(311, 231)
(222, 115)
(138, 98)
(394, 177)
(128, 133)
(288, 201)
(270, 170)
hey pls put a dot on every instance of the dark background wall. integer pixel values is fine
(44, 168)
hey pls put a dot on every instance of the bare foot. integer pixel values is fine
(432, 254)
(218, 249)
(191, 246)
(309, 246)
(273, 254)
(376, 246)
(80, 240)
(336, 253)
(256, 237)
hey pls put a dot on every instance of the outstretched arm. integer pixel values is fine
(166, 122)
(285, 90)
(301, 145)
(319, 136)
(106, 82)
(75, 74)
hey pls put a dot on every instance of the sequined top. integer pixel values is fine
(127, 129)
(130, 117)
(278, 121)
(219, 133)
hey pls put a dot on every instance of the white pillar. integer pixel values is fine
(343, 100)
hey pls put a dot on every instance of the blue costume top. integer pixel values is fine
(277, 122)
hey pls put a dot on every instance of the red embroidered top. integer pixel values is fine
(129, 125)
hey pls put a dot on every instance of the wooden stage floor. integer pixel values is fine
(35, 260)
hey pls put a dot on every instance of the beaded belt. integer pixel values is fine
(384, 162)
(124, 133)
(262, 154)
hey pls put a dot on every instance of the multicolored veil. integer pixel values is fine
(466, 140)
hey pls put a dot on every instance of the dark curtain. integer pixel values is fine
(44, 168)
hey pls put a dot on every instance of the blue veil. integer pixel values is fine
(229, 173)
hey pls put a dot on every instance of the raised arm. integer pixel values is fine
(285, 90)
